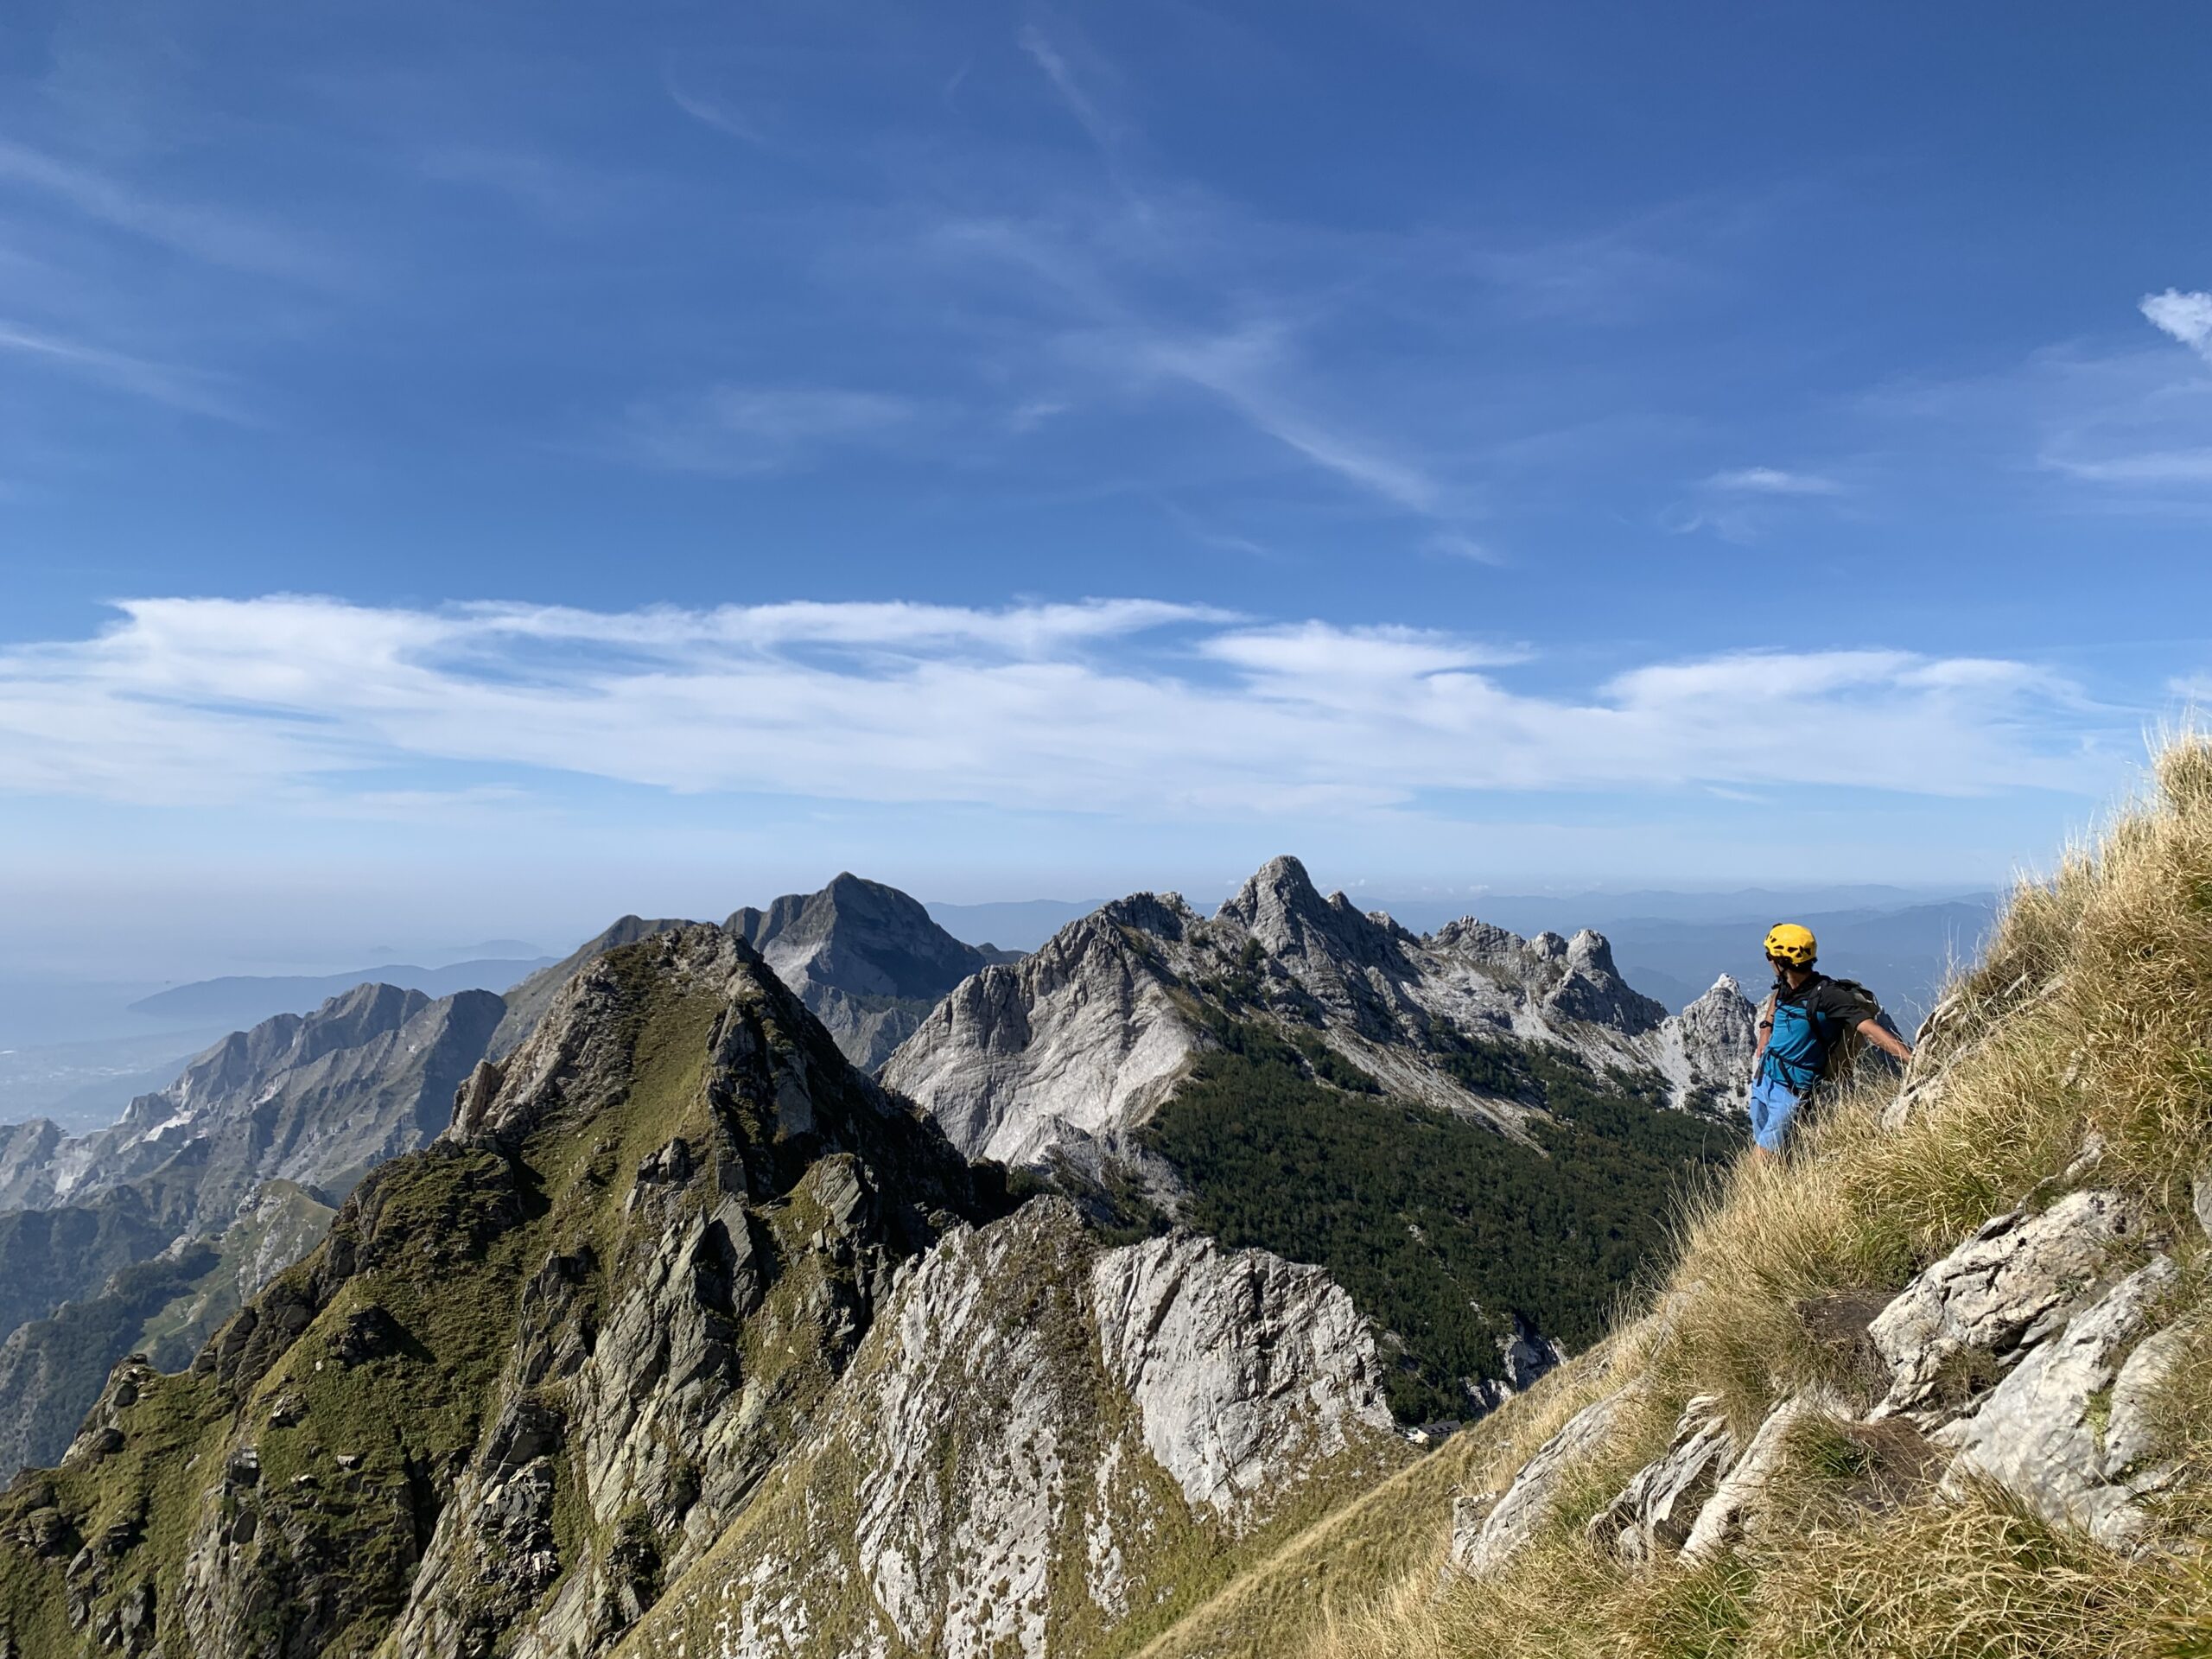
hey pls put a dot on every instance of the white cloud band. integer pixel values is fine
(1131, 707)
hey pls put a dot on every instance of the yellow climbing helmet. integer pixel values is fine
(1787, 942)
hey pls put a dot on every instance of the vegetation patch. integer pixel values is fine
(1442, 1228)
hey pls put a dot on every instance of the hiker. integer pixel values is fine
(1806, 1016)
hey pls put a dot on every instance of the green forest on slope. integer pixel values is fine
(1440, 1228)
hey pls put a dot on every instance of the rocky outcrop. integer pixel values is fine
(1081, 1041)
(1485, 1537)
(1704, 1051)
(2036, 1352)
(2039, 1432)
(1973, 1313)
(1732, 1513)
(1077, 1040)
(1243, 1369)
(1033, 1432)
(1653, 1516)
(528, 1002)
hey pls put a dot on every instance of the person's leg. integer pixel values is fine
(1772, 1106)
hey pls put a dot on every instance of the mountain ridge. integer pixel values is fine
(1012, 1063)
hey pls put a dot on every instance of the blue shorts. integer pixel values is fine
(1772, 1106)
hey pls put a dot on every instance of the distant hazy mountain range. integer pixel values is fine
(243, 999)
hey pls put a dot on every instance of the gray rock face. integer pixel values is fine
(865, 959)
(26, 1161)
(1242, 1367)
(1706, 1050)
(319, 1098)
(2037, 1432)
(2014, 1283)
(1107, 1407)
(1653, 1515)
(1082, 1040)
(1484, 1541)
(1079, 1038)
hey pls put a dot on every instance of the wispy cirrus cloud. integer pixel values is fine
(720, 114)
(1243, 370)
(159, 383)
(2150, 466)
(1744, 503)
(217, 236)
(1772, 480)
(1136, 708)
(2139, 424)
(1053, 62)
(739, 431)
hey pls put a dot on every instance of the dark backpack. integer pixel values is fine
(1852, 1054)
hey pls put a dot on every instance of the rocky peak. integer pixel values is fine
(1084, 1038)
(859, 937)
(1590, 988)
(1280, 908)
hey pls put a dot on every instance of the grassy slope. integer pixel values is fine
(2088, 1018)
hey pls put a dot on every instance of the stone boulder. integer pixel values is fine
(1733, 1513)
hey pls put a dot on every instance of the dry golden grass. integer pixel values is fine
(2087, 1022)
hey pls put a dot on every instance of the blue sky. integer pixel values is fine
(474, 464)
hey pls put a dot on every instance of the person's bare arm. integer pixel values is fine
(1878, 1035)
(1765, 1028)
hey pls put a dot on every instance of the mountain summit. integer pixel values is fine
(867, 960)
